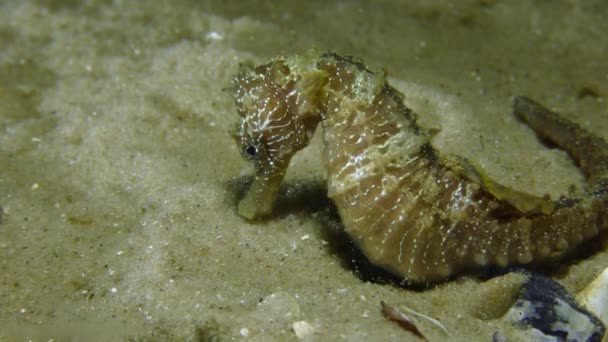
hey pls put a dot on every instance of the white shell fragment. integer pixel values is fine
(303, 329)
(595, 297)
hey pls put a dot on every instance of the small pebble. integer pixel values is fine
(303, 329)
(212, 35)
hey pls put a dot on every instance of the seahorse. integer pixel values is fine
(413, 211)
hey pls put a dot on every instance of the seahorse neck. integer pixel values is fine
(366, 128)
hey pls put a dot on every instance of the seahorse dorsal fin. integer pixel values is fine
(525, 203)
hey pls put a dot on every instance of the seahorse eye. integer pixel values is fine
(251, 151)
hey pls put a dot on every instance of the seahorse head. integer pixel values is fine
(279, 111)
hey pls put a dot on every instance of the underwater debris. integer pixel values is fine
(396, 315)
(550, 312)
(393, 314)
(417, 213)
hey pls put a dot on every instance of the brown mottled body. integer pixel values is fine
(412, 211)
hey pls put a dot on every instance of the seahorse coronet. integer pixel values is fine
(412, 211)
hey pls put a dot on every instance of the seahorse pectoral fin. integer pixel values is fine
(259, 200)
(311, 87)
(313, 81)
(525, 203)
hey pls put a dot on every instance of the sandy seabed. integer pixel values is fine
(119, 180)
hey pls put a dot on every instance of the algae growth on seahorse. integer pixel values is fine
(412, 210)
